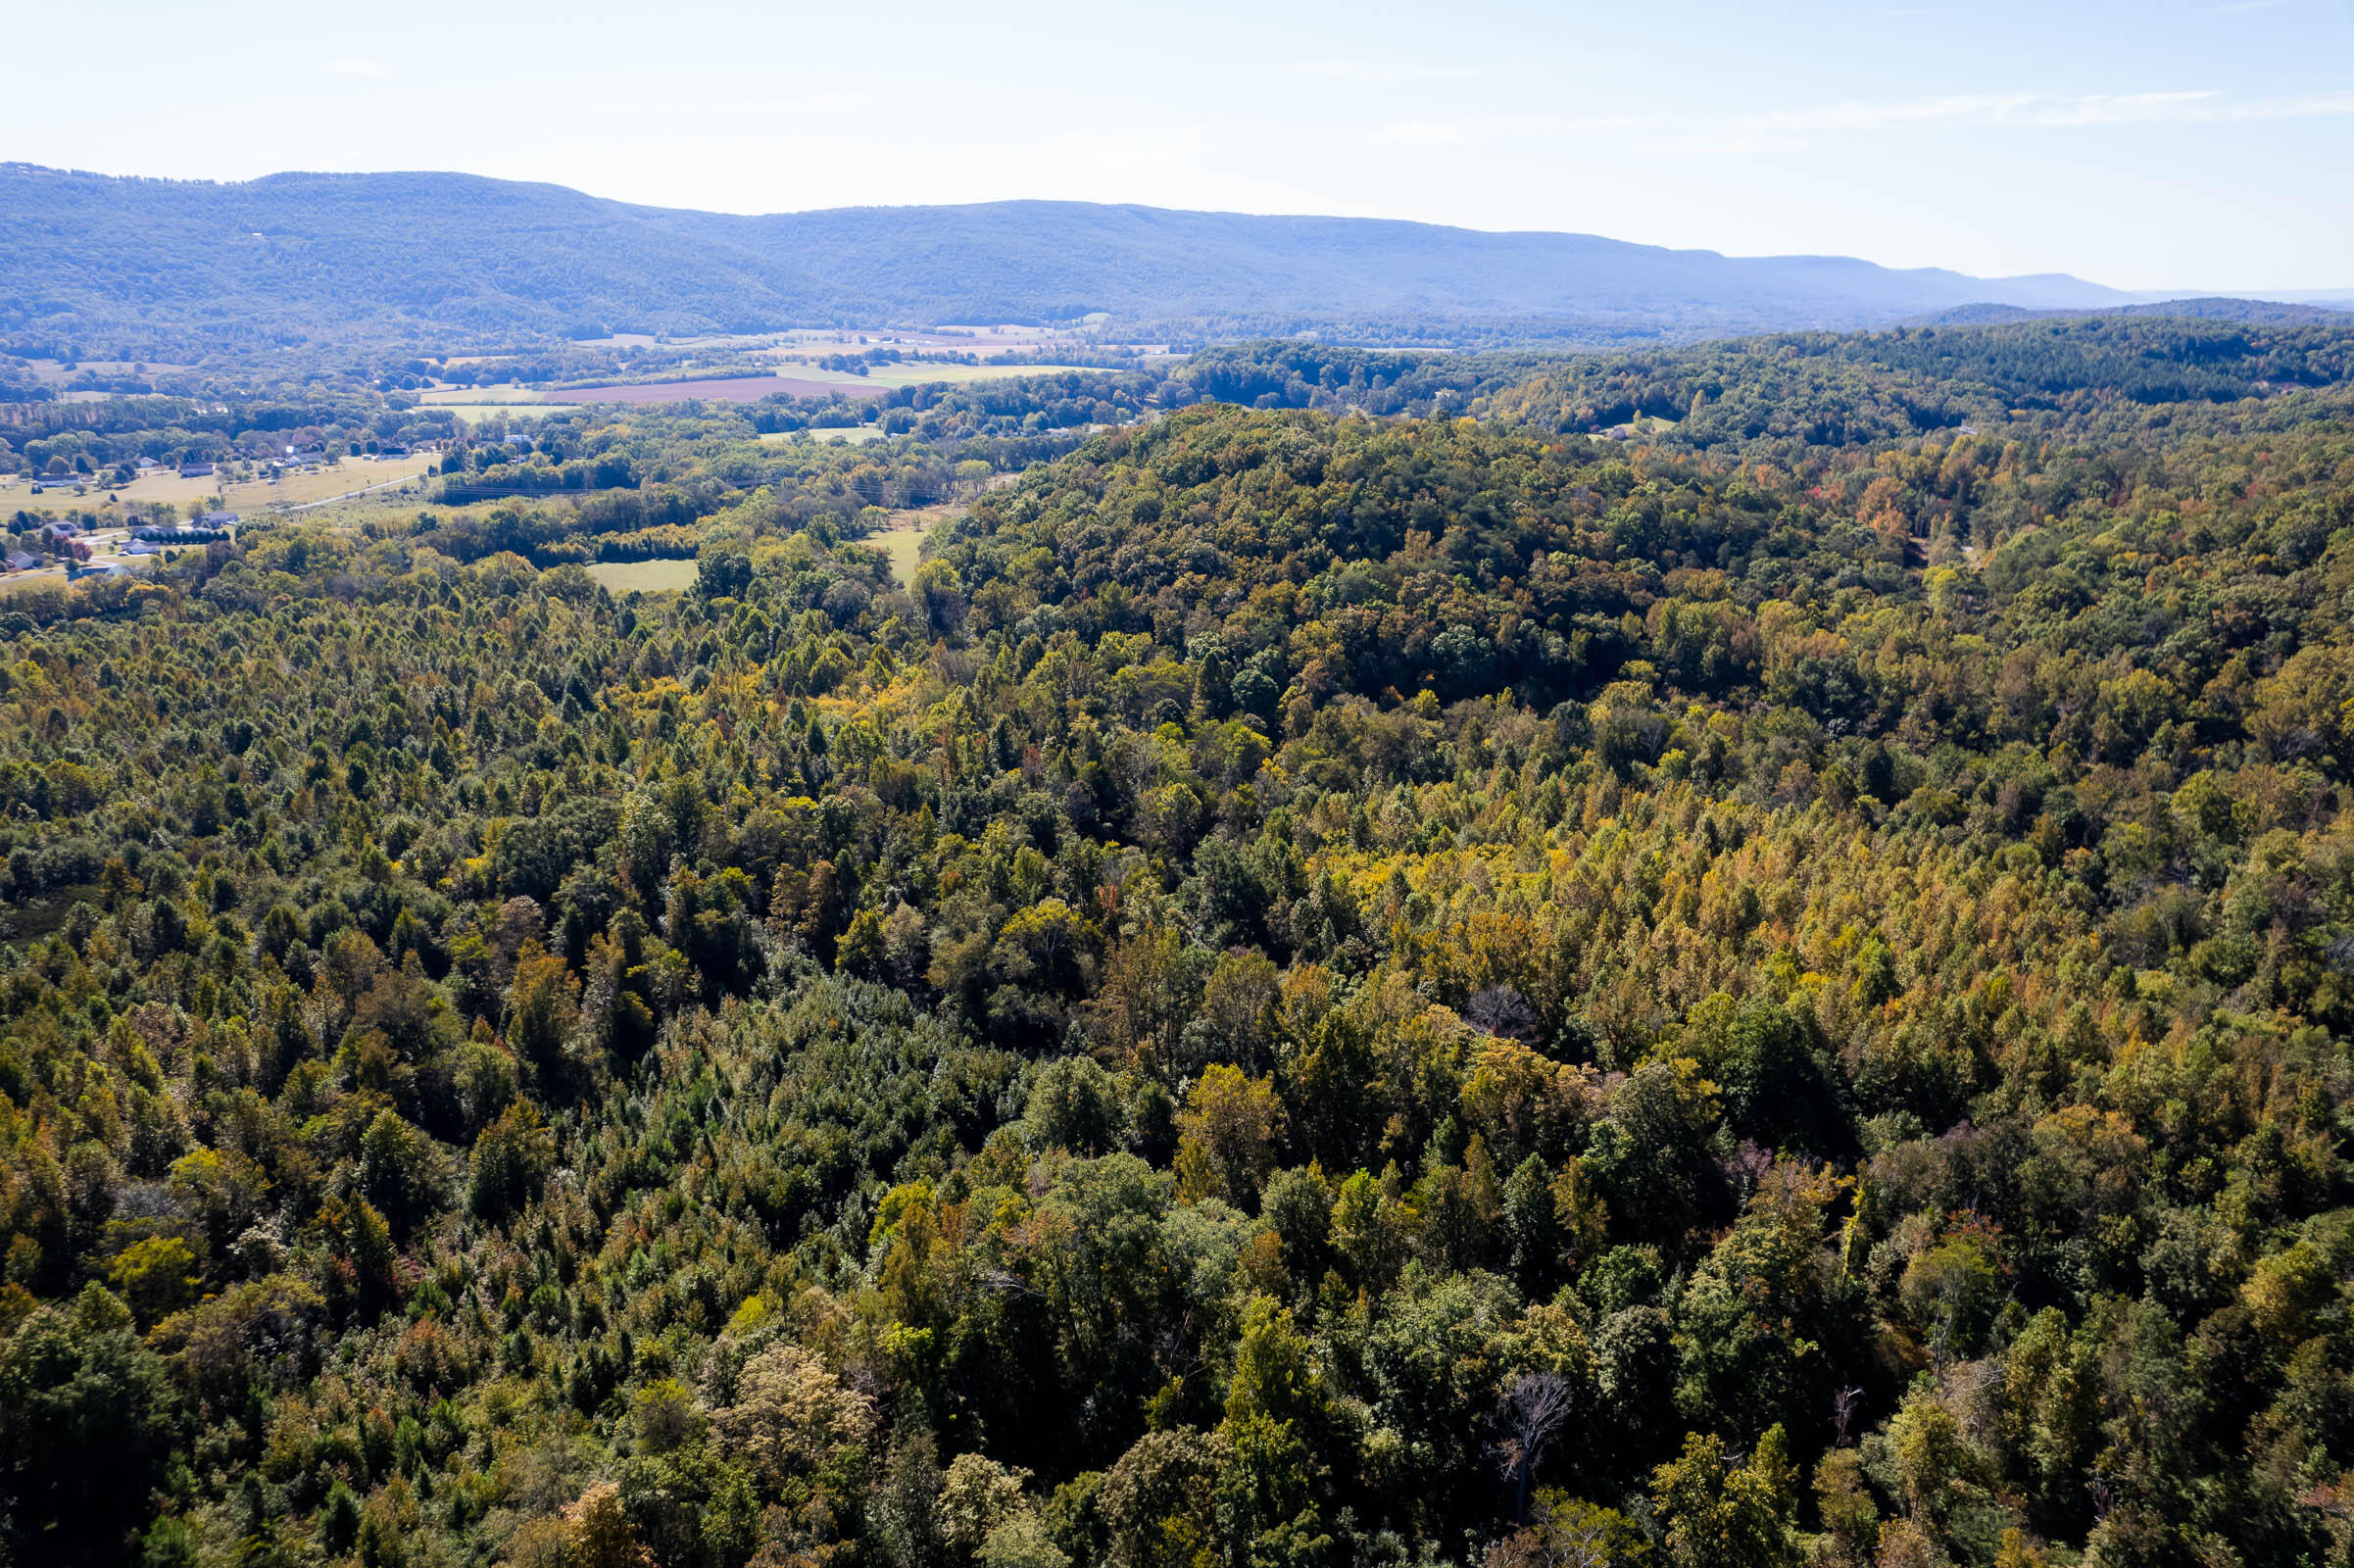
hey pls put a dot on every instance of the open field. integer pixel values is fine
(499, 392)
(53, 372)
(852, 435)
(731, 389)
(798, 372)
(476, 412)
(903, 543)
(644, 576)
(163, 488)
(919, 375)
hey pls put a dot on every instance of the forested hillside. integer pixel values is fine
(145, 269)
(1314, 989)
(2046, 377)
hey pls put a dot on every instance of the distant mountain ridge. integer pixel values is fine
(2204, 307)
(91, 260)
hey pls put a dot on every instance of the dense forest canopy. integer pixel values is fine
(1744, 958)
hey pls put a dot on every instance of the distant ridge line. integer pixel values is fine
(106, 265)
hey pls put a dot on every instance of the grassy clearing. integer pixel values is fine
(845, 435)
(919, 375)
(644, 576)
(476, 412)
(903, 544)
(473, 396)
(164, 488)
(903, 541)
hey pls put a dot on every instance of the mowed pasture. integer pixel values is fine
(726, 389)
(903, 544)
(162, 487)
(921, 374)
(841, 435)
(497, 394)
(644, 576)
(797, 377)
(476, 412)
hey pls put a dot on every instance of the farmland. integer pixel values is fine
(726, 389)
(804, 380)
(165, 488)
(645, 576)
(476, 412)
(903, 544)
(846, 435)
(504, 395)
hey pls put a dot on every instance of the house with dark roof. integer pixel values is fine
(196, 470)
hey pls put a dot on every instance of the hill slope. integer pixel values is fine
(423, 257)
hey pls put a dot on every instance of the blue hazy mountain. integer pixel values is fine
(430, 257)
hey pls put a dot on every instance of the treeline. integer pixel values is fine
(1813, 389)
(625, 485)
(102, 438)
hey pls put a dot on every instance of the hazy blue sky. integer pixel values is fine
(2162, 144)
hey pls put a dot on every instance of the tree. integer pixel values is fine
(790, 1412)
(601, 1535)
(156, 1275)
(511, 1162)
(1714, 1511)
(1227, 1134)
(1075, 1104)
(542, 1006)
(90, 1423)
(1535, 1407)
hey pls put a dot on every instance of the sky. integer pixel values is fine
(2166, 145)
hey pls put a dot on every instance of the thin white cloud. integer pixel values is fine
(1784, 129)
(1367, 72)
(356, 68)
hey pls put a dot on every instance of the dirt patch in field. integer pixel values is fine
(736, 390)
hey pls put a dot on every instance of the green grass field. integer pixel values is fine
(850, 435)
(162, 487)
(916, 373)
(479, 396)
(903, 541)
(476, 412)
(644, 576)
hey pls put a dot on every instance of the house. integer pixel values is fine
(59, 528)
(102, 569)
(218, 519)
(141, 546)
(60, 482)
(20, 560)
(196, 470)
(144, 464)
